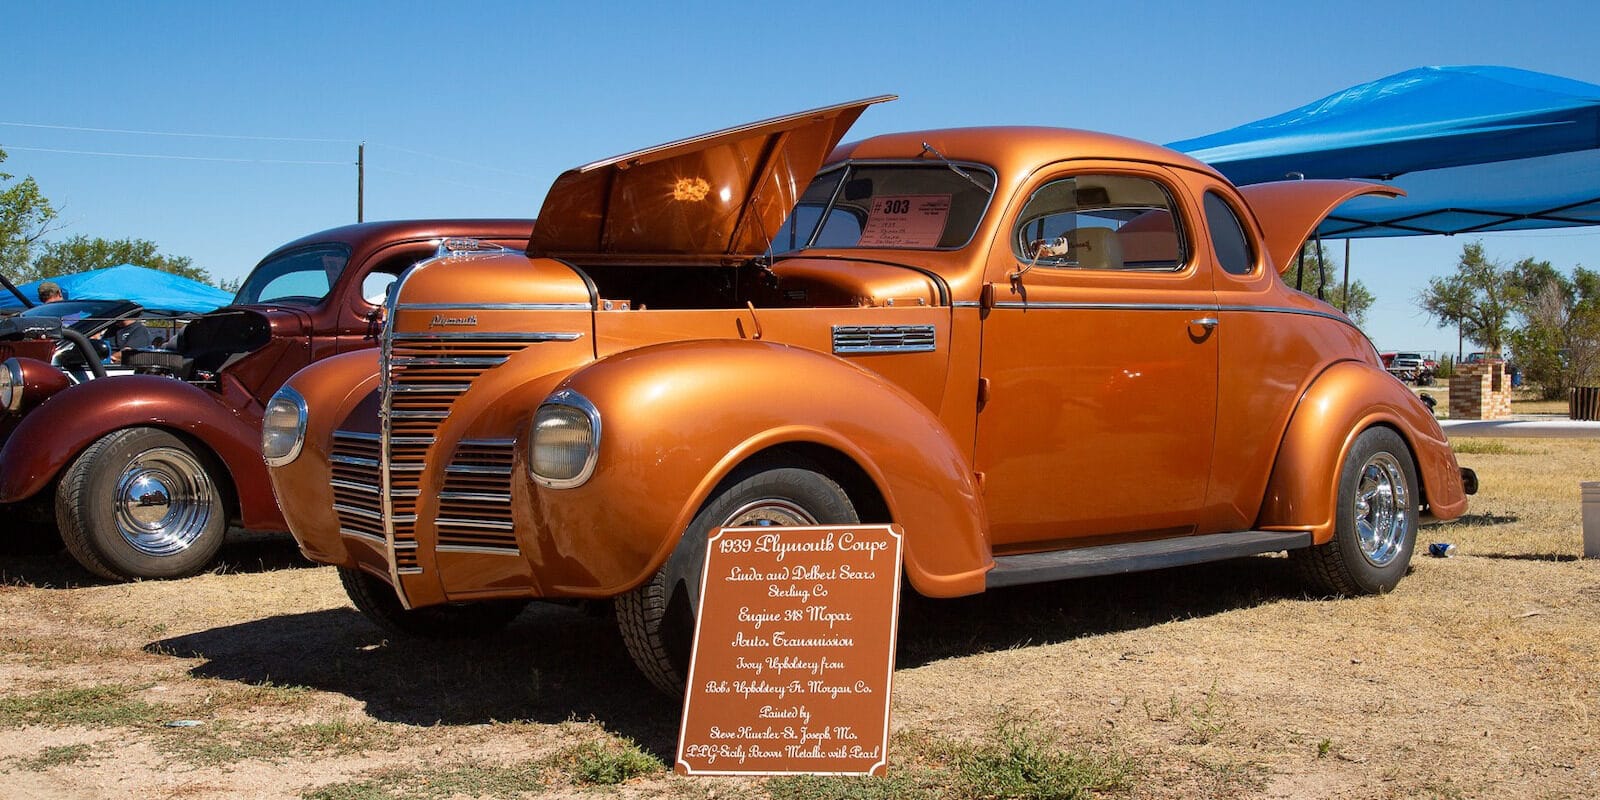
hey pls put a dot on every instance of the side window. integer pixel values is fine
(1101, 222)
(1227, 236)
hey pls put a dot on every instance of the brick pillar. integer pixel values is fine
(1480, 391)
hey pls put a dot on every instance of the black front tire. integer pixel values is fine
(377, 601)
(142, 503)
(1375, 525)
(657, 619)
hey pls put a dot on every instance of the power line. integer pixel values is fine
(453, 160)
(176, 158)
(175, 133)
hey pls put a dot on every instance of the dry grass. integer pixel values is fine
(1478, 677)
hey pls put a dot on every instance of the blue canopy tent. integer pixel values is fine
(1474, 148)
(150, 288)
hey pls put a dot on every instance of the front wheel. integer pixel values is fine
(1375, 528)
(378, 602)
(142, 503)
(657, 619)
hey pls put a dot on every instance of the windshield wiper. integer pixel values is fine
(928, 148)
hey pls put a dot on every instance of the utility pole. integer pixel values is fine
(361, 181)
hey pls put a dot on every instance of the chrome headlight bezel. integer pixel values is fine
(571, 407)
(11, 385)
(285, 401)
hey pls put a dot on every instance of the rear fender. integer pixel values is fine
(677, 419)
(1346, 399)
(48, 437)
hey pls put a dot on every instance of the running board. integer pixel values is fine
(1115, 559)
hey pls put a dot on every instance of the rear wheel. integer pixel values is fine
(657, 619)
(1376, 520)
(142, 503)
(378, 602)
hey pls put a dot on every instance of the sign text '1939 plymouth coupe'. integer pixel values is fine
(1043, 353)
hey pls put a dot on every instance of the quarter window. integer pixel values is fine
(1227, 236)
(1101, 222)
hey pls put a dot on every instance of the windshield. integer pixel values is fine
(84, 316)
(923, 206)
(302, 277)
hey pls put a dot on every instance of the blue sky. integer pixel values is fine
(472, 109)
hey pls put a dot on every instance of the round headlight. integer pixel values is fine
(11, 385)
(283, 427)
(565, 440)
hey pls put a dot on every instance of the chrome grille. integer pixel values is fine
(475, 503)
(425, 374)
(883, 339)
(357, 492)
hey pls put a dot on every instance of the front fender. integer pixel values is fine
(1343, 401)
(677, 418)
(48, 437)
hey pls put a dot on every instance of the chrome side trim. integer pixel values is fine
(884, 339)
(1017, 304)
(501, 336)
(966, 304)
(495, 307)
(1305, 312)
(481, 550)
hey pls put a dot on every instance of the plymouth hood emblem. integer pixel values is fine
(440, 321)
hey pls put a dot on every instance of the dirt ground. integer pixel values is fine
(1478, 677)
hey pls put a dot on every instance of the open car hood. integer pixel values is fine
(1290, 210)
(718, 195)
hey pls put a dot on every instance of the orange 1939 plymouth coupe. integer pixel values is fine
(1043, 353)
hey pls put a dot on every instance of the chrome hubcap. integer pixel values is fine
(1380, 509)
(770, 511)
(164, 501)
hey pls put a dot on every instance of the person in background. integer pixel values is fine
(50, 292)
(127, 333)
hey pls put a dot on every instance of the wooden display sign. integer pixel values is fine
(793, 652)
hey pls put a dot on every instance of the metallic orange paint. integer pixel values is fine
(1055, 408)
(1288, 211)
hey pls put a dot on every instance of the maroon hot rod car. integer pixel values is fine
(143, 473)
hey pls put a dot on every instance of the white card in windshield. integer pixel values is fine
(915, 220)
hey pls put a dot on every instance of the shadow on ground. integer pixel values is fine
(35, 557)
(556, 663)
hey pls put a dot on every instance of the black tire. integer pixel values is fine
(657, 619)
(377, 601)
(142, 503)
(1375, 524)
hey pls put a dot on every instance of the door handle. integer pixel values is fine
(1206, 322)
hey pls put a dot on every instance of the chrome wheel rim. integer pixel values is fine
(164, 501)
(770, 511)
(1380, 510)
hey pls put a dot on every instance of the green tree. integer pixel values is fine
(25, 218)
(1558, 344)
(1323, 270)
(1478, 298)
(82, 253)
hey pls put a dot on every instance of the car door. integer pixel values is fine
(1099, 361)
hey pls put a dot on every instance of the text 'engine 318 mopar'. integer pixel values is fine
(1044, 353)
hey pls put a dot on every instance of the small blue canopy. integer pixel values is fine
(1475, 149)
(150, 288)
